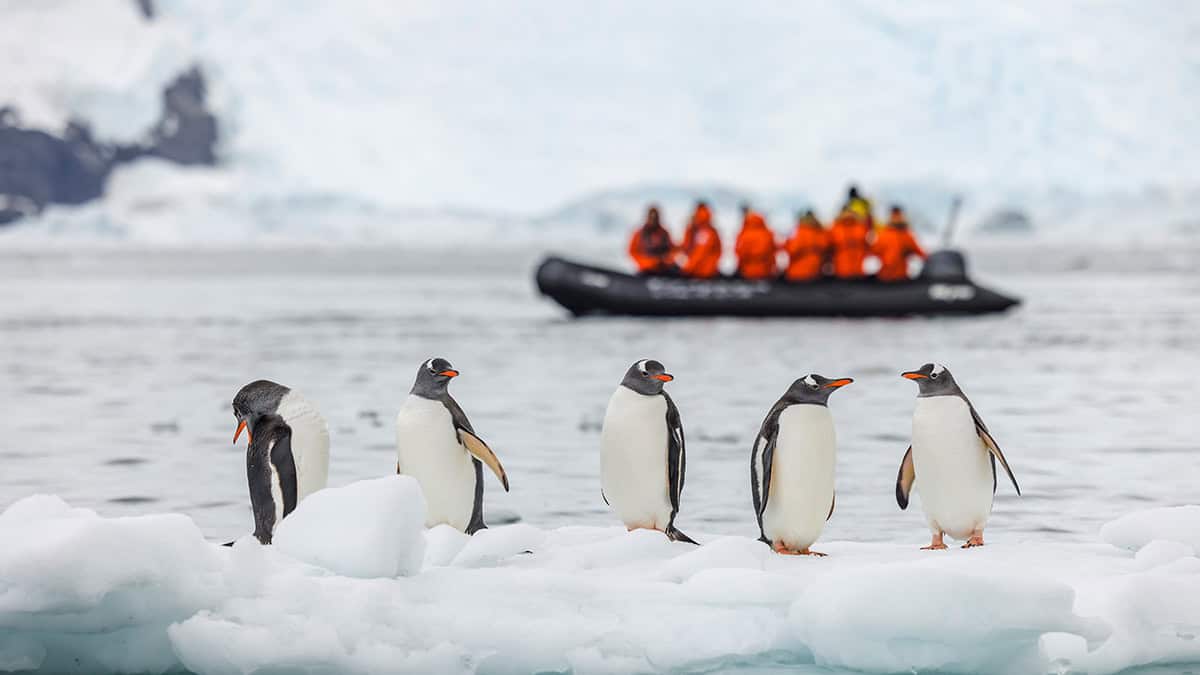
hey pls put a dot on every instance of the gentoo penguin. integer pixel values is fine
(791, 466)
(309, 433)
(271, 474)
(436, 444)
(952, 460)
(642, 452)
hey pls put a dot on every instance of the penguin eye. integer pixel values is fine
(933, 376)
(812, 386)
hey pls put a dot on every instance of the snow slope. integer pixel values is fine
(81, 593)
(381, 107)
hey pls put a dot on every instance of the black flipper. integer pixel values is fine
(676, 467)
(904, 479)
(763, 454)
(462, 424)
(285, 468)
(268, 432)
(993, 449)
(674, 534)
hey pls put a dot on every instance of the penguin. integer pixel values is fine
(309, 432)
(792, 466)
(436, 444)
(951, 461)
(271, 474)
(642, 458)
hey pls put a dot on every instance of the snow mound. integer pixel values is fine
(372, 528)
(1178, 523)
(82, 593)
(935, 618)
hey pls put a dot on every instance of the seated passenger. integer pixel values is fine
(756, 248)
(651, 247)
(860, 205)
(848, 236)
(893, 246)
(806, 249)
(701, 245)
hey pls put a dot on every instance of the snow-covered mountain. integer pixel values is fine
(374, 119)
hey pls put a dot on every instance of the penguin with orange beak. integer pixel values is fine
(951, 462)
(287, 454)
(792, 466)
(642, 460)
(436, 444)
(309, 431)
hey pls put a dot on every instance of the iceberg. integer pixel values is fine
(356, 585)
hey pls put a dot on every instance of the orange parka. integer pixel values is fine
(893, 245)
(702, 251)
(806, 249)
(848, 235)
(756, 249)
(652, 249)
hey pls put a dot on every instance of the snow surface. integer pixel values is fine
(338, 528)
(81, 593)
(366, 119)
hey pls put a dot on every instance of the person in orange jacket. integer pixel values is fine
(806, 249)
(701, 245)
(651, 247)
(848, 236)
(893, 246)
(756, 249)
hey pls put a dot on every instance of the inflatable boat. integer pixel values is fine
(943, 287)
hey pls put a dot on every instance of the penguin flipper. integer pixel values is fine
(832, 503)
(674, 534)
(676, 456)
(604, 497)
(990, 445)
(761, 458)
(285, 467)
(904, 479)
(483, 453)
(262, 503)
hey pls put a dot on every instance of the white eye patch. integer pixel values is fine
(808, 379)
(938, 369)
(429, 364)
(641, 365)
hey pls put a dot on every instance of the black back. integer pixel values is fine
(270, 451)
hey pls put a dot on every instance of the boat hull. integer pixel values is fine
(585, 289)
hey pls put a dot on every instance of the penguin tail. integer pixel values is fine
(228, 543)
(675, 535)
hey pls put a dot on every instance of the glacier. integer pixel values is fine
(366, 120)
(81, 593)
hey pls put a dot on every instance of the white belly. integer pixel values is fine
(633, 459)
(953, 474)
(802, 476)
(310, 443)
(427, 448)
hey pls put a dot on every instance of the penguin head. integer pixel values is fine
(259, 398)
(814, 388)
(433, 377)
(933, 379)
(647, 377)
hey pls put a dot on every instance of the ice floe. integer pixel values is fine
(356, 585)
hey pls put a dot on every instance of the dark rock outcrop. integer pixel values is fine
(38, 168)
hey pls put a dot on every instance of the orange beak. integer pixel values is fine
(839, 383)
(241, 426)
(664, 377)
(449, 373)
(914, 376)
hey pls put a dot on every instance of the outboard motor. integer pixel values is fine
(945, 265)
